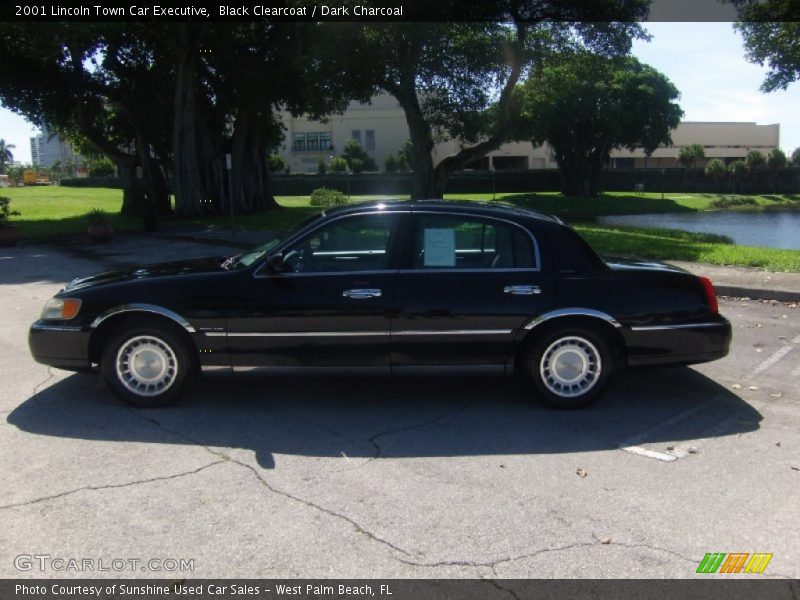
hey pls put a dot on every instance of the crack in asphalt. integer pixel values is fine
(37, 388)
(353, 523)
(509, 591)
(376, 538)
(110, 486)
(494, 563)
(374, 439)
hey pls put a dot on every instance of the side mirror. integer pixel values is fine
(275, 263)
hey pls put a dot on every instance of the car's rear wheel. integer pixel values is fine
(569, 367)
(148, 363)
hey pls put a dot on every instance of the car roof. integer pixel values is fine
(459, 206)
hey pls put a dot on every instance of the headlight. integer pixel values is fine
(61, 308)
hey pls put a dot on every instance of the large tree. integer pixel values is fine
(53, 75)
(585, 105)
(771, 31)
(456, 80)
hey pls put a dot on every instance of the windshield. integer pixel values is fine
(260, 252)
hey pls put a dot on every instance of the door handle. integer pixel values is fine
(361, 294)
(522, 290)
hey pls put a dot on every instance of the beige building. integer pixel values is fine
(380, 127)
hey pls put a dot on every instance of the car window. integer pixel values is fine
(447, 242)
(358, 243)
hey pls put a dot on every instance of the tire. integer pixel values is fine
(149, 363)
(569, 367)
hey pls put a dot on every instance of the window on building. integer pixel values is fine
(299, 142)
(325, 141)
(312, 142)
(356, 135)
(369, 136)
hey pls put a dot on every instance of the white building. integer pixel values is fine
(380, 126)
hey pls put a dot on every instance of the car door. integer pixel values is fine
(328, 306)
(468, 284)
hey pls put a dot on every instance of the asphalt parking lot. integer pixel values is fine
(395, 478)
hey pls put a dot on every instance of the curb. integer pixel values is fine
(757, 293)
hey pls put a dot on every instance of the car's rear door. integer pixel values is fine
(330, 304)
(469, 283)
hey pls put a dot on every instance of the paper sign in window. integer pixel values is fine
(440, 248)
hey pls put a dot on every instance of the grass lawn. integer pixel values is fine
(49, 211)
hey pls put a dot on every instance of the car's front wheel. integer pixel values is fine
(148, 364)
(569, 367)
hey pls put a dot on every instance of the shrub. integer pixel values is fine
(337, 165)
(392, 163)
(325, 198)
(716, 169)
(733, 202)
(356, 165)
(322, 168)
(754, 160)
(737, 166)
(275, 163)
(97, 216)
(102, 167)
(6, 212)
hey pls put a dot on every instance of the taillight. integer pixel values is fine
(711, 295)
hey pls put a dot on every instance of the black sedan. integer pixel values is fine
(395, 287)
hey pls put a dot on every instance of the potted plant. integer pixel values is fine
(9, 234)
(100, 229)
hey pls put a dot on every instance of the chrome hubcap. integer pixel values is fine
(570, 366)
(146, 365)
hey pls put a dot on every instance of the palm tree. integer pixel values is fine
(5, 155)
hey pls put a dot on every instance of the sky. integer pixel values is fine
(705, 61)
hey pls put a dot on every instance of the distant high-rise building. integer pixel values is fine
(47, 148)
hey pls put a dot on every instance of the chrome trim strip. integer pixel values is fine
(676, 326)
(434, 270)
(151, 308)
(572, 312)
(342, 371)
(46, 327)
(208, 369)
(454, 332)
(358, 333)
(299, 333)
(448, 369)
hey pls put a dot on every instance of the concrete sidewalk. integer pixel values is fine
(747, 282)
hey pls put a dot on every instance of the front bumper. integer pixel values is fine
(679, 344)
(60, 345)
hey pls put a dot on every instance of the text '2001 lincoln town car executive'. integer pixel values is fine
(395, 287)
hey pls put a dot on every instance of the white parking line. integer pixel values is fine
(632, 444)
(775, 357)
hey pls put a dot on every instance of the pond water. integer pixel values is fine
(778, 229)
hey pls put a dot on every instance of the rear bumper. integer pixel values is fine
(675, 344)
(61, 346)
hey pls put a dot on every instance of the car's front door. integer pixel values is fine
(469, 284)
(328, 306)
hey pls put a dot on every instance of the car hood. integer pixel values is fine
(628, 263)
(167, 269)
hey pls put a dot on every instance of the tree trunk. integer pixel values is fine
(199, 169)
(249, 174)
(132, 204)
(423, 184)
